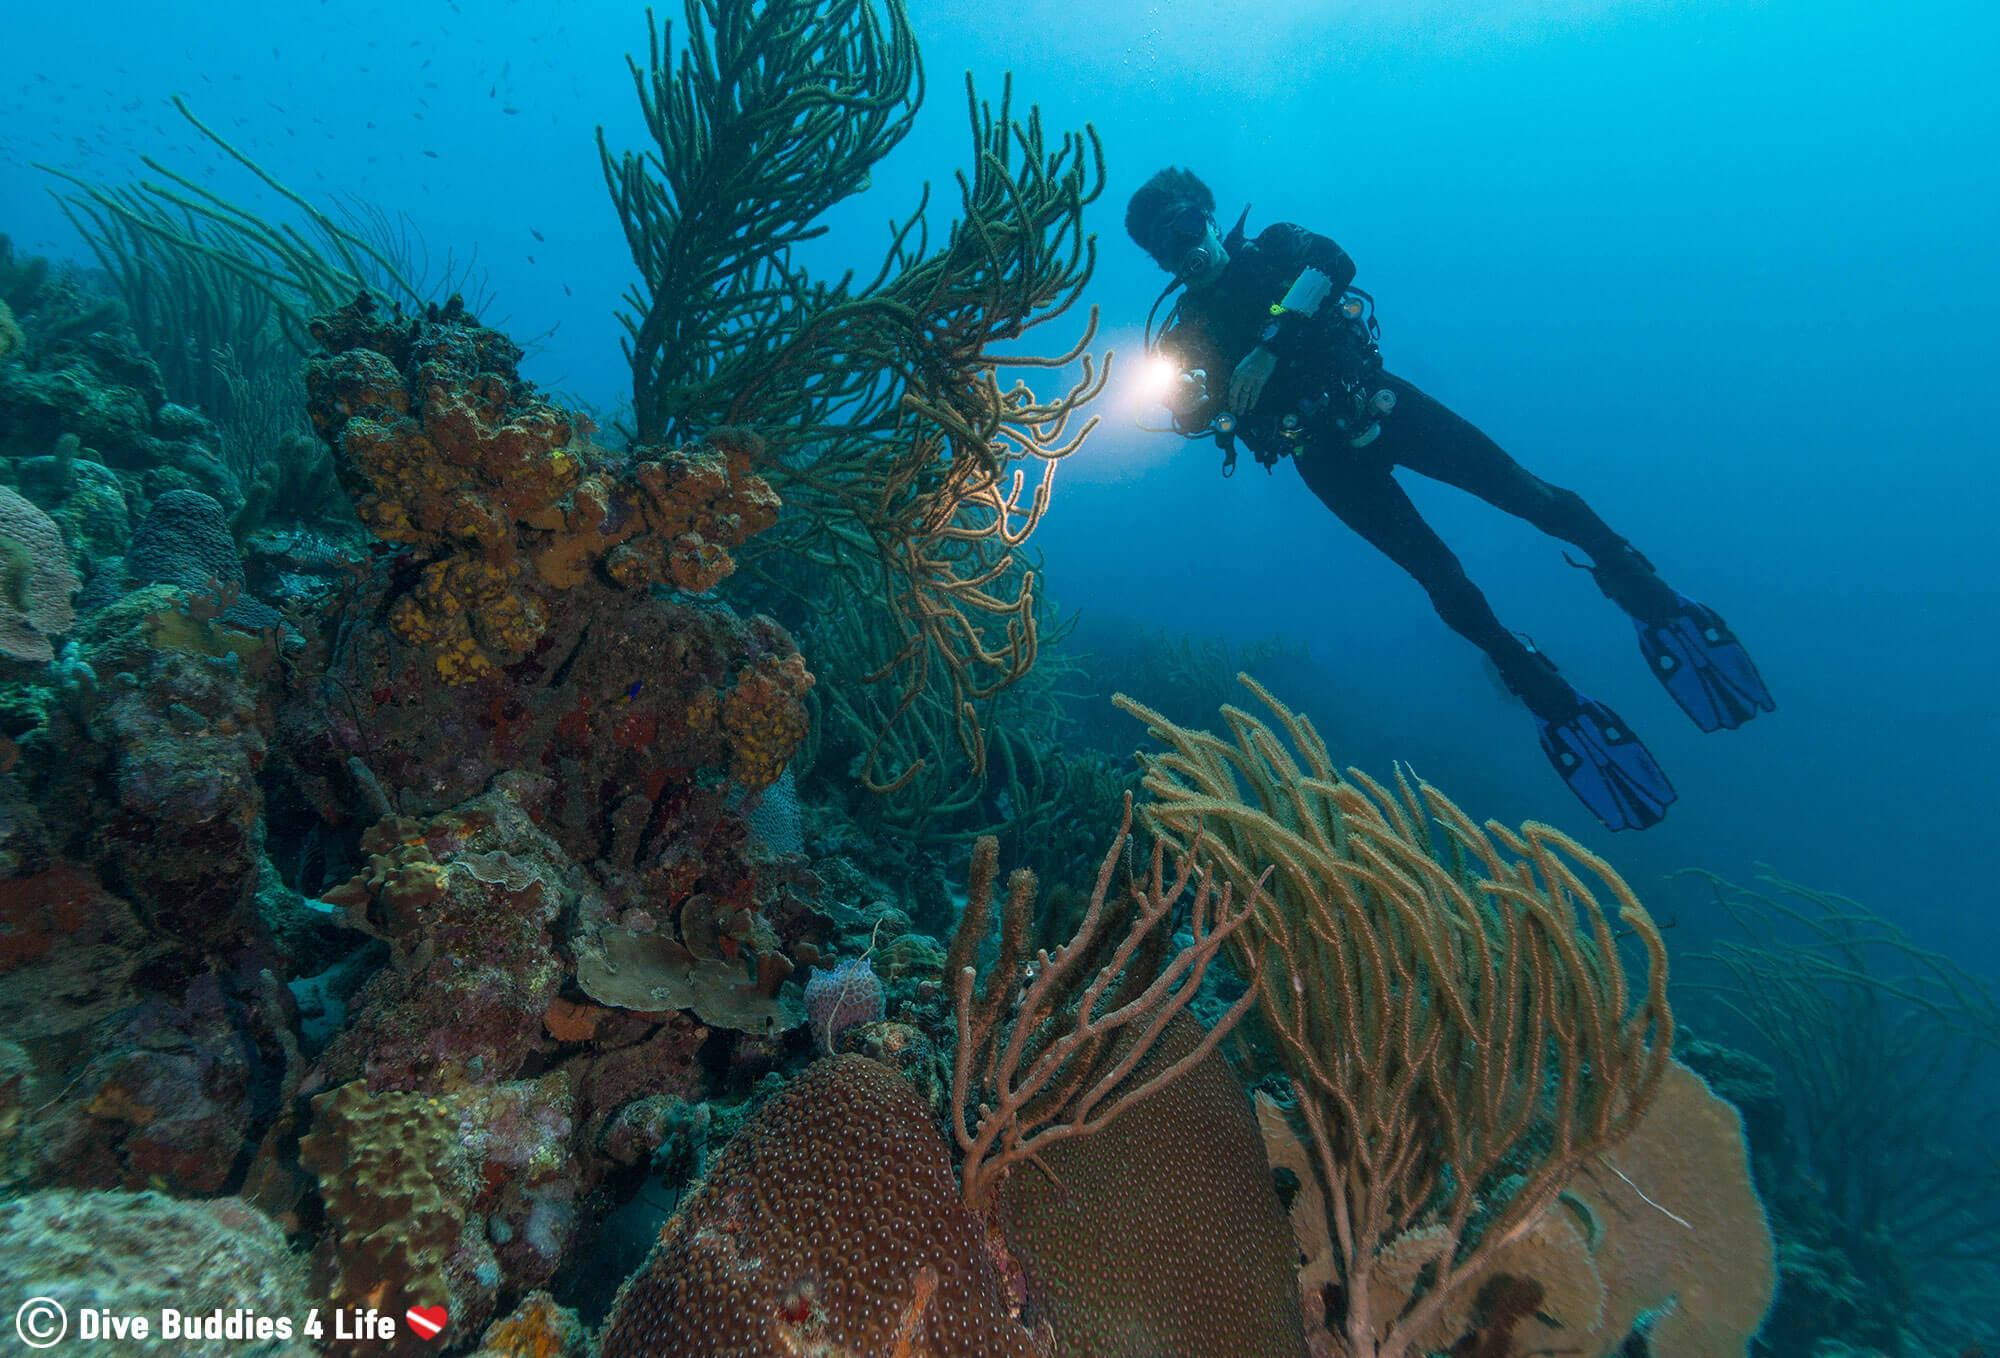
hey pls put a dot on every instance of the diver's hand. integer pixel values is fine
(1247, 385)
(1190, 389)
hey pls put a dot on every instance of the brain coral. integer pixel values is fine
(1160, 1234)
(184, 540)
(832, 1226)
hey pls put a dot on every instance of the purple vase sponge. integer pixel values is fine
(837, 1000)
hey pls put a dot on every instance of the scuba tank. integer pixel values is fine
(1353, 405)
(1357, 403)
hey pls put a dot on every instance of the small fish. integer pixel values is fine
(510, 109)
(633, 691)
(432, 154)
(567, 292)
(531, 259)
(531, 230)
(492, 90)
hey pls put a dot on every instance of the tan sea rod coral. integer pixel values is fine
(1455, 1004)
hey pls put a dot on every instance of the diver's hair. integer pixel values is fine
(1168, 189)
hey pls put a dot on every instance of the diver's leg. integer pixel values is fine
(1357, 485)
(1590, 747)
(1687, 646)
(1432, 440)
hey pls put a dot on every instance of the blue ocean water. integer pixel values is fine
(1722, 267)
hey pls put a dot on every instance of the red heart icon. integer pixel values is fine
(427, 1321)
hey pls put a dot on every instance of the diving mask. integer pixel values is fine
(1181, 242)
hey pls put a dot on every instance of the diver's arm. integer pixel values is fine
(1321, 271)
(1201, 383)
(1299, 248)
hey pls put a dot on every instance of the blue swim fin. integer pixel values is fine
(1700, 662)
(1606, 766)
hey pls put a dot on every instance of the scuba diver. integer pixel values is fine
(1275, 348)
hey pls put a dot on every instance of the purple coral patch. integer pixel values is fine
(839, 999)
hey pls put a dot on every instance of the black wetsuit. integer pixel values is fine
(1327, 374)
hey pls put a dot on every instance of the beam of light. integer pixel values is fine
(1155, 382)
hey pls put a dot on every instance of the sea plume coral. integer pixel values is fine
(1461, 1024)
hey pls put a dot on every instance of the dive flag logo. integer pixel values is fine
(427, 1321)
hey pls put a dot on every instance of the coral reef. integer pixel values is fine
(163, 740)
(137, 978)
(465, 900)
(77, 371)
(522, 627)
(125, 1070)
(141, 1254)
(403, 862)
(448, 452)
(444, 1199)
(830, 1224)
(380, 1160)
(537, 1328)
